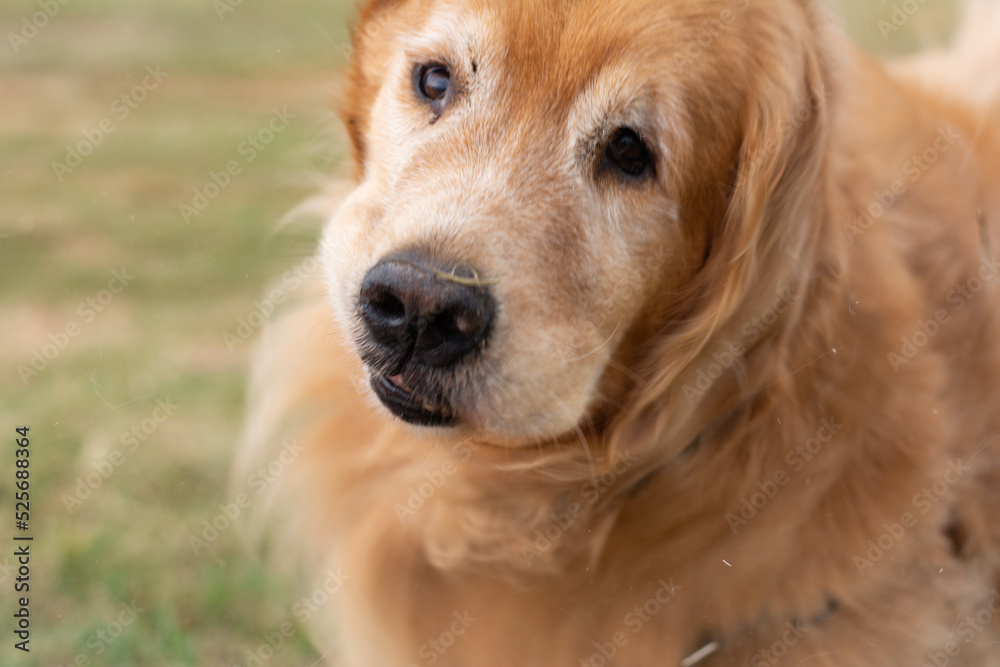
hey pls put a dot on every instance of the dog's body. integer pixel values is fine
(742, 398)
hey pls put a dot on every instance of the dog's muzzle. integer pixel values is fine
(420, 318)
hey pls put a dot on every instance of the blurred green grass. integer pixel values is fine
(162, 337)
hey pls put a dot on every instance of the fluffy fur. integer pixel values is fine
(747, 405)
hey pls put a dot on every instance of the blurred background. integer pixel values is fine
(148, 150)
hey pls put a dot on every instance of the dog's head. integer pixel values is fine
(552, 193)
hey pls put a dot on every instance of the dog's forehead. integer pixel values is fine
(551, 46)
(553, 58)
(558, 42)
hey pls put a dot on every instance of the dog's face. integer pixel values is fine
(540, 184)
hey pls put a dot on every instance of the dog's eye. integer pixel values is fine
(628, 153)
(433, 84)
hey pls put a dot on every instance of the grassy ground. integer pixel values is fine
(94, 363)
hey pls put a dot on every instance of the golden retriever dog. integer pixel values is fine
(652, 333)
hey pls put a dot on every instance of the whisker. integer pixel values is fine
(596, 349)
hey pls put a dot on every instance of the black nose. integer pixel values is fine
(424, 312)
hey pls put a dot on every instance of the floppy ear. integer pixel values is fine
(371, 49)
(765, 241)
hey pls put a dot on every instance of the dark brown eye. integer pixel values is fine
(628, 153)
(433, 84)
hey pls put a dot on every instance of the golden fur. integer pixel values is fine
(749, 404)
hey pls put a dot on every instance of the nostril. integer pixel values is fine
(462, 324)
(387, 307)
(458, 323)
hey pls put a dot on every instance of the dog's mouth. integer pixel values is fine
(408, 405)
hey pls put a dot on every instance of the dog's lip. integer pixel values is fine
(400, 400)
(400, 384)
